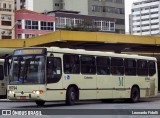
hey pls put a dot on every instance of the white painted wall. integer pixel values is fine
(145, 19)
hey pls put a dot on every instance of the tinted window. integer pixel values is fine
(142, 68)
(1, 73)
(103, 65)
(71, 64)
(117, 67)
(130, 67)
(88, 65)
(54, 69)
(152, 68)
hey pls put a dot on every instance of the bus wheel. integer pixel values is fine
(71, 96)
(135, 94)
(40, 103)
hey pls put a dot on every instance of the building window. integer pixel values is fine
(6, 37)
(5, 17)
(10, 6)
(19, 24)
(60, 22)
(19, 36)
(57, 4)
(47, 25)
(4, 5)
(108, 9)
(104, 25)
(31, 24)
(6, 23)
(30, 35)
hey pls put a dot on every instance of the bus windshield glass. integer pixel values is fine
(28, 69)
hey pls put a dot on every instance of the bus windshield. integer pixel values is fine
(29, 69)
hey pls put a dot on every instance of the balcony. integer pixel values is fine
(3, 9)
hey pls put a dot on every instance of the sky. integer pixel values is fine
(128, 5)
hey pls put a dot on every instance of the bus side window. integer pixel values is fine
(88, 65)
(117, 66)
(103, 65)
(71, 64)
(152, 68)
(142, 68)
(1, 73)
(54, 69)
(130, 67)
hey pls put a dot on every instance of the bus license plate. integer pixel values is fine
(22, 97)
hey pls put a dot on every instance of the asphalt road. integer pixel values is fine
(145, 105)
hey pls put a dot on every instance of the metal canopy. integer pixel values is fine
(119, 43)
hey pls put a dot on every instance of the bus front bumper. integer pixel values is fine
(25, 96)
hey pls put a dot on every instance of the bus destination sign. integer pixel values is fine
(29, 51)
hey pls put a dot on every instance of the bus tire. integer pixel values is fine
(40, 103)
(71, 96)
(135, 95)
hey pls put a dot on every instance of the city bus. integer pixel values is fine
(3, 80)
(62, 74)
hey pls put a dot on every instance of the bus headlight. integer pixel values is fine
(38, 92)
(11, 92)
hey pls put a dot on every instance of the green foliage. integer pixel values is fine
(85, 26)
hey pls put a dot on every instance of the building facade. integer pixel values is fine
(30, 24)
(35, 5)
(72, 19)
(145, 17)
(7, 19)
(101, 8)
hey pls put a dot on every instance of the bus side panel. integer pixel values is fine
(118, 86)
(105, 87)
(85, 83)
(143, 85)
(55, 95)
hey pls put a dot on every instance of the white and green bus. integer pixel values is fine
(3, 80)
(70, 75)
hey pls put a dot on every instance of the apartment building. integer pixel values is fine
(30, 24)
(35, 5)
(145, 17)
(72, 19)
(101, 8)
(7, 19)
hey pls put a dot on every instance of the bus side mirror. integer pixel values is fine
(7, 65)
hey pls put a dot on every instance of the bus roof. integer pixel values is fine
(99, 53)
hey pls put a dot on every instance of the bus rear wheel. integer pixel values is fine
(40, 103)
(135, 95)
(71, 96)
